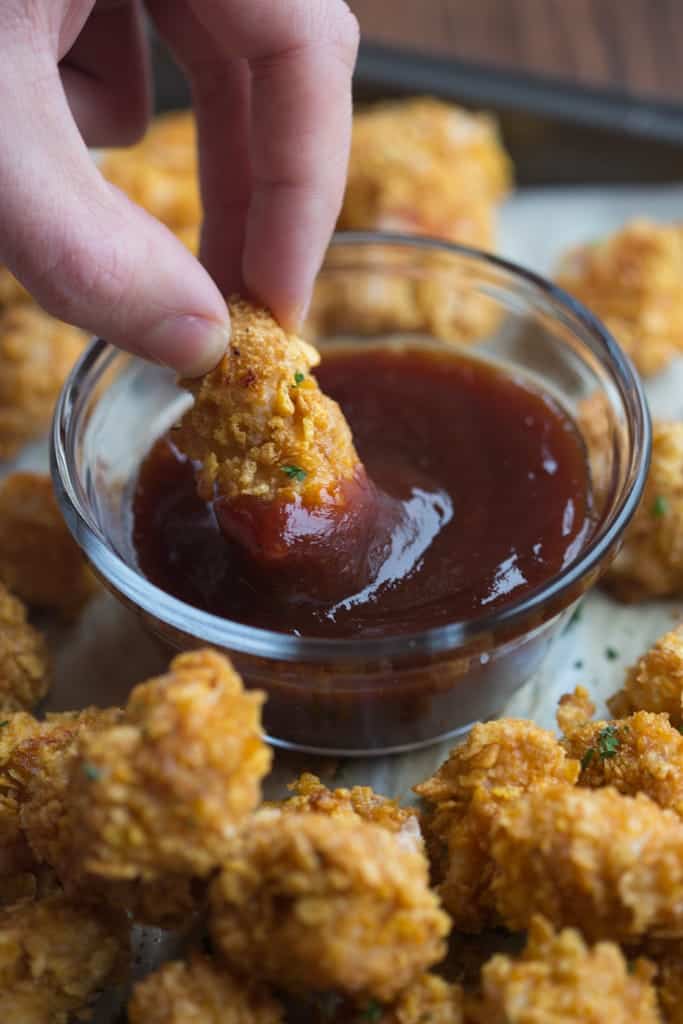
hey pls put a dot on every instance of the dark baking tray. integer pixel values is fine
(556, 133)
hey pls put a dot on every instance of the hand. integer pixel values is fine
(271, 83)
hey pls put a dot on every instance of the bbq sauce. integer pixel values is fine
(481, 494)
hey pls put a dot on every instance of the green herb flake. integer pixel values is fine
(3, 724)
(578, 663)
(373, 1012)
(680, 729)
(91, 771)
(660, 506)
(608, 742)
(611, 653)
(294, 472)
(587, 758)
(299, 378)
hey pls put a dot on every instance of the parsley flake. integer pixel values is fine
(373, 1012)
(3, 724)
(680, 729)
(611, 653)
(587, 758)
(294, 472)
(578, 663)
(91, 771)
(608, 742)
(299, 378)
(660, 506)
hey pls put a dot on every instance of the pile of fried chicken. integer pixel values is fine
(338, 904)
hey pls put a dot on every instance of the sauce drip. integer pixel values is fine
(482, 495)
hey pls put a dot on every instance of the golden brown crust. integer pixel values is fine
(574, 710)
(161, 792)
(260, 424)
(632, 281)
(655, 682)
(39, 559)
(609, 864)
(24, 659)
(200, 991)
(54, 958)
(650, 563)
(36, 356)
(639, 754)
(314, 903)
(559, 978)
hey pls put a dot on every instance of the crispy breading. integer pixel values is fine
(39, 559)
(358, 802)
(609, 864)
(24, 659)
(313, 903)
(639, 754)
(574, 710)
(498, 760)
(36, 356)
(260, 425)
(650, 563)
(632, 281)
(200, 991)
(424, 165)
(559, 979)
(655, 682)
(160, 172)
(163, 791)
(54, 958)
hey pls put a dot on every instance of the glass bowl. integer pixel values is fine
(389, 693)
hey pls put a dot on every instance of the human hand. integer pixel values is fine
(271, 88)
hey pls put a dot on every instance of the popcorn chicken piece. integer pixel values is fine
(24, 660)
(54, 958)
(160, 172)
(650, 563)
(425, 166)
(36, 356)
(39, 559)
(574, 710)
(559, 978)
(162, 791)
(497, 761)
(260, 424)
(313, 903)
(200, 990)
(609, 864)
(632, 281)
(639, 754)
(360, 802)
(655, 682)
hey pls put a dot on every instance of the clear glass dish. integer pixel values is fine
(390, 693)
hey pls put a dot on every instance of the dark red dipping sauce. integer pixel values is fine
(491, 472)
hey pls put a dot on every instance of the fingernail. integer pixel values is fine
(191, 345)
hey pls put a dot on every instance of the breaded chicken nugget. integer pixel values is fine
(24, 660)
(655, 682)
(639, 754)
(39, 559)
(36, 356)
(260, 424)
(632, 281)
(359, 802)
(200, 991)
(609, 864)
(559, 978)
(425, 166)
(160, 172)
(162, 791)
(54, 958)
(313, 903)
(498, 760)
(650, 563)
(574, 710)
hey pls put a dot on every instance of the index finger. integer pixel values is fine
(301, 55)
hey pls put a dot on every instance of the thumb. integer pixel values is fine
(89, 255)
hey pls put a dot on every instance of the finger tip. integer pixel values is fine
(190, 345)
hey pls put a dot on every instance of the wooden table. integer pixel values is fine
(633, 46)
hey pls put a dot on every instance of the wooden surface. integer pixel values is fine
(629, 45)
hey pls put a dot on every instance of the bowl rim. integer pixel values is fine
(186, 619)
